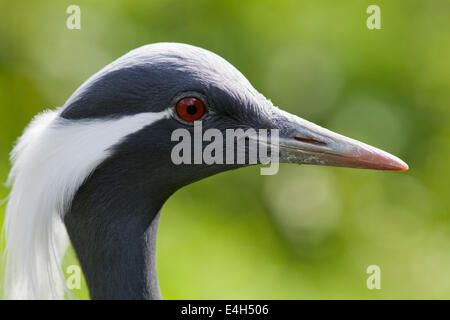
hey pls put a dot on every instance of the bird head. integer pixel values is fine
(104, 162)
(187, 85)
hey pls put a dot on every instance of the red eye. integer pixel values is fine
(190, 109)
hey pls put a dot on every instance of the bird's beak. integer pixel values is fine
(301, 141)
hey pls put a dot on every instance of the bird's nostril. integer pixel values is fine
(310, 140)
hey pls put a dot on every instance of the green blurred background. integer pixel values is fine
(308, 232)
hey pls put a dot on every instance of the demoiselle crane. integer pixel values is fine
(100, 168)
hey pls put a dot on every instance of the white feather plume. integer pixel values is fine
(50, 162)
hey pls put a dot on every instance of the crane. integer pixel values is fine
(96, 172)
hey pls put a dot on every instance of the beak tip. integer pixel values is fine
(394, 163)
(403, 167)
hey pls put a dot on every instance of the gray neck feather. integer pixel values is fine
(112, 225)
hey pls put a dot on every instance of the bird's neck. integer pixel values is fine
(112, 227)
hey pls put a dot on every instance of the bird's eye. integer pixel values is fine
(190, 109)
